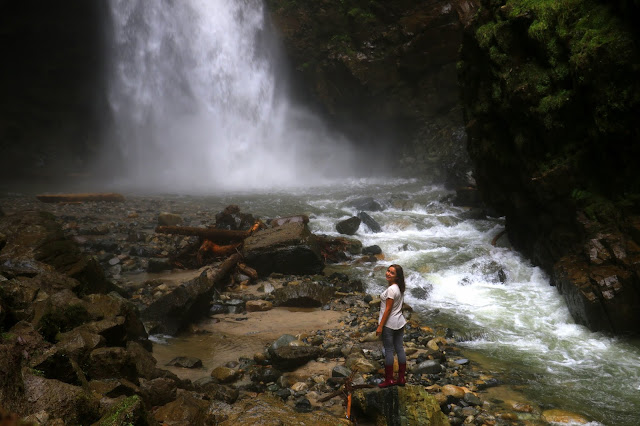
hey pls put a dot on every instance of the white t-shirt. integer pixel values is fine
(396, 320)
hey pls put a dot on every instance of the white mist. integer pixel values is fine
(198, 104)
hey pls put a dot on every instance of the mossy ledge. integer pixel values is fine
(551, 98)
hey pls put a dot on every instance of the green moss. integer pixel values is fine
(485, 35)
(595, 206)
(121, 414)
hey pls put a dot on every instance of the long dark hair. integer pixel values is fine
(399, 277)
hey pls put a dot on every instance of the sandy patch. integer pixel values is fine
(229, 337)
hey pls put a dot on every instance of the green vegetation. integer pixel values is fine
(122, 414)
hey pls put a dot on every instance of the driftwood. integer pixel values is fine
(346, 391)
(79, 198)
(248, 271)
(211, 234)
(208, 247)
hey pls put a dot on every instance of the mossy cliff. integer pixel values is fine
(384, 72)
(551, 97)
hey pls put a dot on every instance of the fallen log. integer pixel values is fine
(188, 302)
(211, 234)
(248, 271)
(79, 198)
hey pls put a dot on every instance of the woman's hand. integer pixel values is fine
(379, 330)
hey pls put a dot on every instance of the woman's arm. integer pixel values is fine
(385, 316)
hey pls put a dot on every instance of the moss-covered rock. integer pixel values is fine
(408, 405)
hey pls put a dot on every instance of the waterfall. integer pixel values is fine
(199, 103)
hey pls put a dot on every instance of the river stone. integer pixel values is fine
(472, 399)
(396, 405)
(225, 374)
(169, 219)
(370, 223)
(281, 341)
(361, 365)
(366, 204)
(455, 391)
(268, 374)
(430, 366)
(258, 306)
(563, 417)
(340, 371)
(130, 410)
(348, 226)
(185, 362)
(372, 250)
(111, 363)
(289, 358)
(288, 249)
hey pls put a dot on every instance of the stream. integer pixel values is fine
(501, 309)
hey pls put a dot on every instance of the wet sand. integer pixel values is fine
(228, 337)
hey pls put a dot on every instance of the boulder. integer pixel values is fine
(216, 391)
(111, 363)
(348, 226)
(288, 358)
(225, 374)
(305, 294)
(182, 305)
(368, 204)
(60, 400)
(289, 249)
(369, 222)
(185, 410)
(158, 391)
(129, 411)
(407, 405)
(101, 306)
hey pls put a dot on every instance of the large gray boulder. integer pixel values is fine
(289, 249)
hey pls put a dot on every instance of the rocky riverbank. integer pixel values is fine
(75, 321)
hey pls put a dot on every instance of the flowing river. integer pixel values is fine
(500, 308)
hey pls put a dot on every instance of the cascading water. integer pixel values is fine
(198, 104)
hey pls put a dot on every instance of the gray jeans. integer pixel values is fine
(392, 340)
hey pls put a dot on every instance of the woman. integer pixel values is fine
(391, 325)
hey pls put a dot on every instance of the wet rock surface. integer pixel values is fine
(101, 344)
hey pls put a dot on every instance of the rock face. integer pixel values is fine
(384, 72)
(551, 100)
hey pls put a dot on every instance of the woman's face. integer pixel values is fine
(391, 275)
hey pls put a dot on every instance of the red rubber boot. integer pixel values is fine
(388, 377)
(401, 372)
